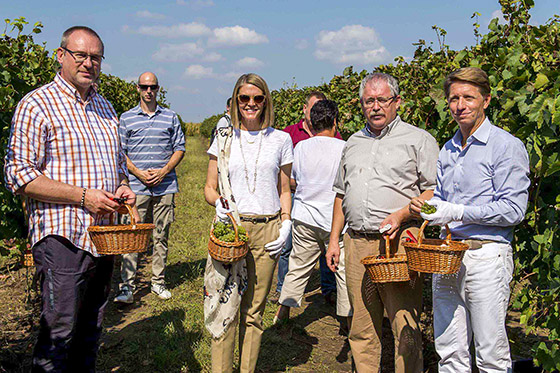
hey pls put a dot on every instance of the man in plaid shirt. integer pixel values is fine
(64, 155)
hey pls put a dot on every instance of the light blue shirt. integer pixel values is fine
(150, 141)
(490, 177)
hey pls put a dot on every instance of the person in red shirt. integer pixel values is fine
(299, 132)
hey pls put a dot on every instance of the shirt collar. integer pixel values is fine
(299, 125)
(385, 131)
(70, 90)
(482, 134)
(138, 110)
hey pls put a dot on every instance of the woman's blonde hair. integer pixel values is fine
(267, 116)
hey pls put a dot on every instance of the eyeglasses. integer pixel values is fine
(80, 57)
(382, 101)
(144, 87)
(258, 99)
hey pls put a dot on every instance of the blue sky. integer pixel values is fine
(198, 48)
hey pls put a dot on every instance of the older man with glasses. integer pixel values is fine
(384, 167)
(154, 144)
(64, 156)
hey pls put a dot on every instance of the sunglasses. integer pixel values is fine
(258, 99)
(145, 87)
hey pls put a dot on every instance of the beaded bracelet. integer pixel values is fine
(83, 198)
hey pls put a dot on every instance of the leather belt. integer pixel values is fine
(255, 220)
(364, 234)
(477, 244)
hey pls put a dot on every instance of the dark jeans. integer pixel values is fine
(328, 280)
(75, 286)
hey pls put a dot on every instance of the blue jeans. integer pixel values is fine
(328, 280)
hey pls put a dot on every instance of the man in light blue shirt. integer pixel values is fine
(154, 144)
(482, 183)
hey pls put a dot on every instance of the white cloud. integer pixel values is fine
(212, 57)
(148, 14)
(351, 44)
(196, 3)
(249, 62)
(301, 44)
(236, 35)
(106, 68)
(177, 52)
(198, 72)
(498, 14)
(193, 29)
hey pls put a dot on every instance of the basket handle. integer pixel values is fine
(233, 222)
(132, 218)
(421, 233)
(387, 246)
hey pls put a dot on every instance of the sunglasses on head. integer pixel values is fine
(258, 99)
(145, 87)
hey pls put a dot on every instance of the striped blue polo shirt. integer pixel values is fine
(149, 142)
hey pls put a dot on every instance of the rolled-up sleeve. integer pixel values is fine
(26, 146)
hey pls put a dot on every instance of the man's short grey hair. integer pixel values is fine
(389, 79)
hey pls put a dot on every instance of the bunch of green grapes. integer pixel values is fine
(226, 233)
(428, 209)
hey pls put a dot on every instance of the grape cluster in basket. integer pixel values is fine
(428, 209)
(225, 232)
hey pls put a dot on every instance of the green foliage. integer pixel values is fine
(25, 66)
(208, 125)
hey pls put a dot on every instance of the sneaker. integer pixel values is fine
(161, 291)
(125, 296)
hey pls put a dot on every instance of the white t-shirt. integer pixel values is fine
(276, 151)
(315, 166)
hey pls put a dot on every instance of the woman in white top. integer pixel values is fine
(259, 171)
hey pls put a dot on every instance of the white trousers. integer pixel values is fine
(474, 303)
(308, 244)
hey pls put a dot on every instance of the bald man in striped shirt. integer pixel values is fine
(64, 155)
(154, 144)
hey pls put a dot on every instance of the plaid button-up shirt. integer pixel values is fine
(56, 134)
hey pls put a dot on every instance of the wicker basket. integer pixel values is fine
(121, 239)
(390, 269)
(28, 259)
(434, 255)
(227, 252)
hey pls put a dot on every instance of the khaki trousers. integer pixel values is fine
(160, 211)
(260, 270)
(309, 243)
(401, 300)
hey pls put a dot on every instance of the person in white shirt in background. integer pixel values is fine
(315, 166)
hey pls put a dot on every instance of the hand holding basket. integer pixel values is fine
(435, 255)
(121, 239)
(389, 269)
(227, 252)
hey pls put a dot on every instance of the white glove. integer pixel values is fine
(446, 212)
(275, 247)
(222, 210)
